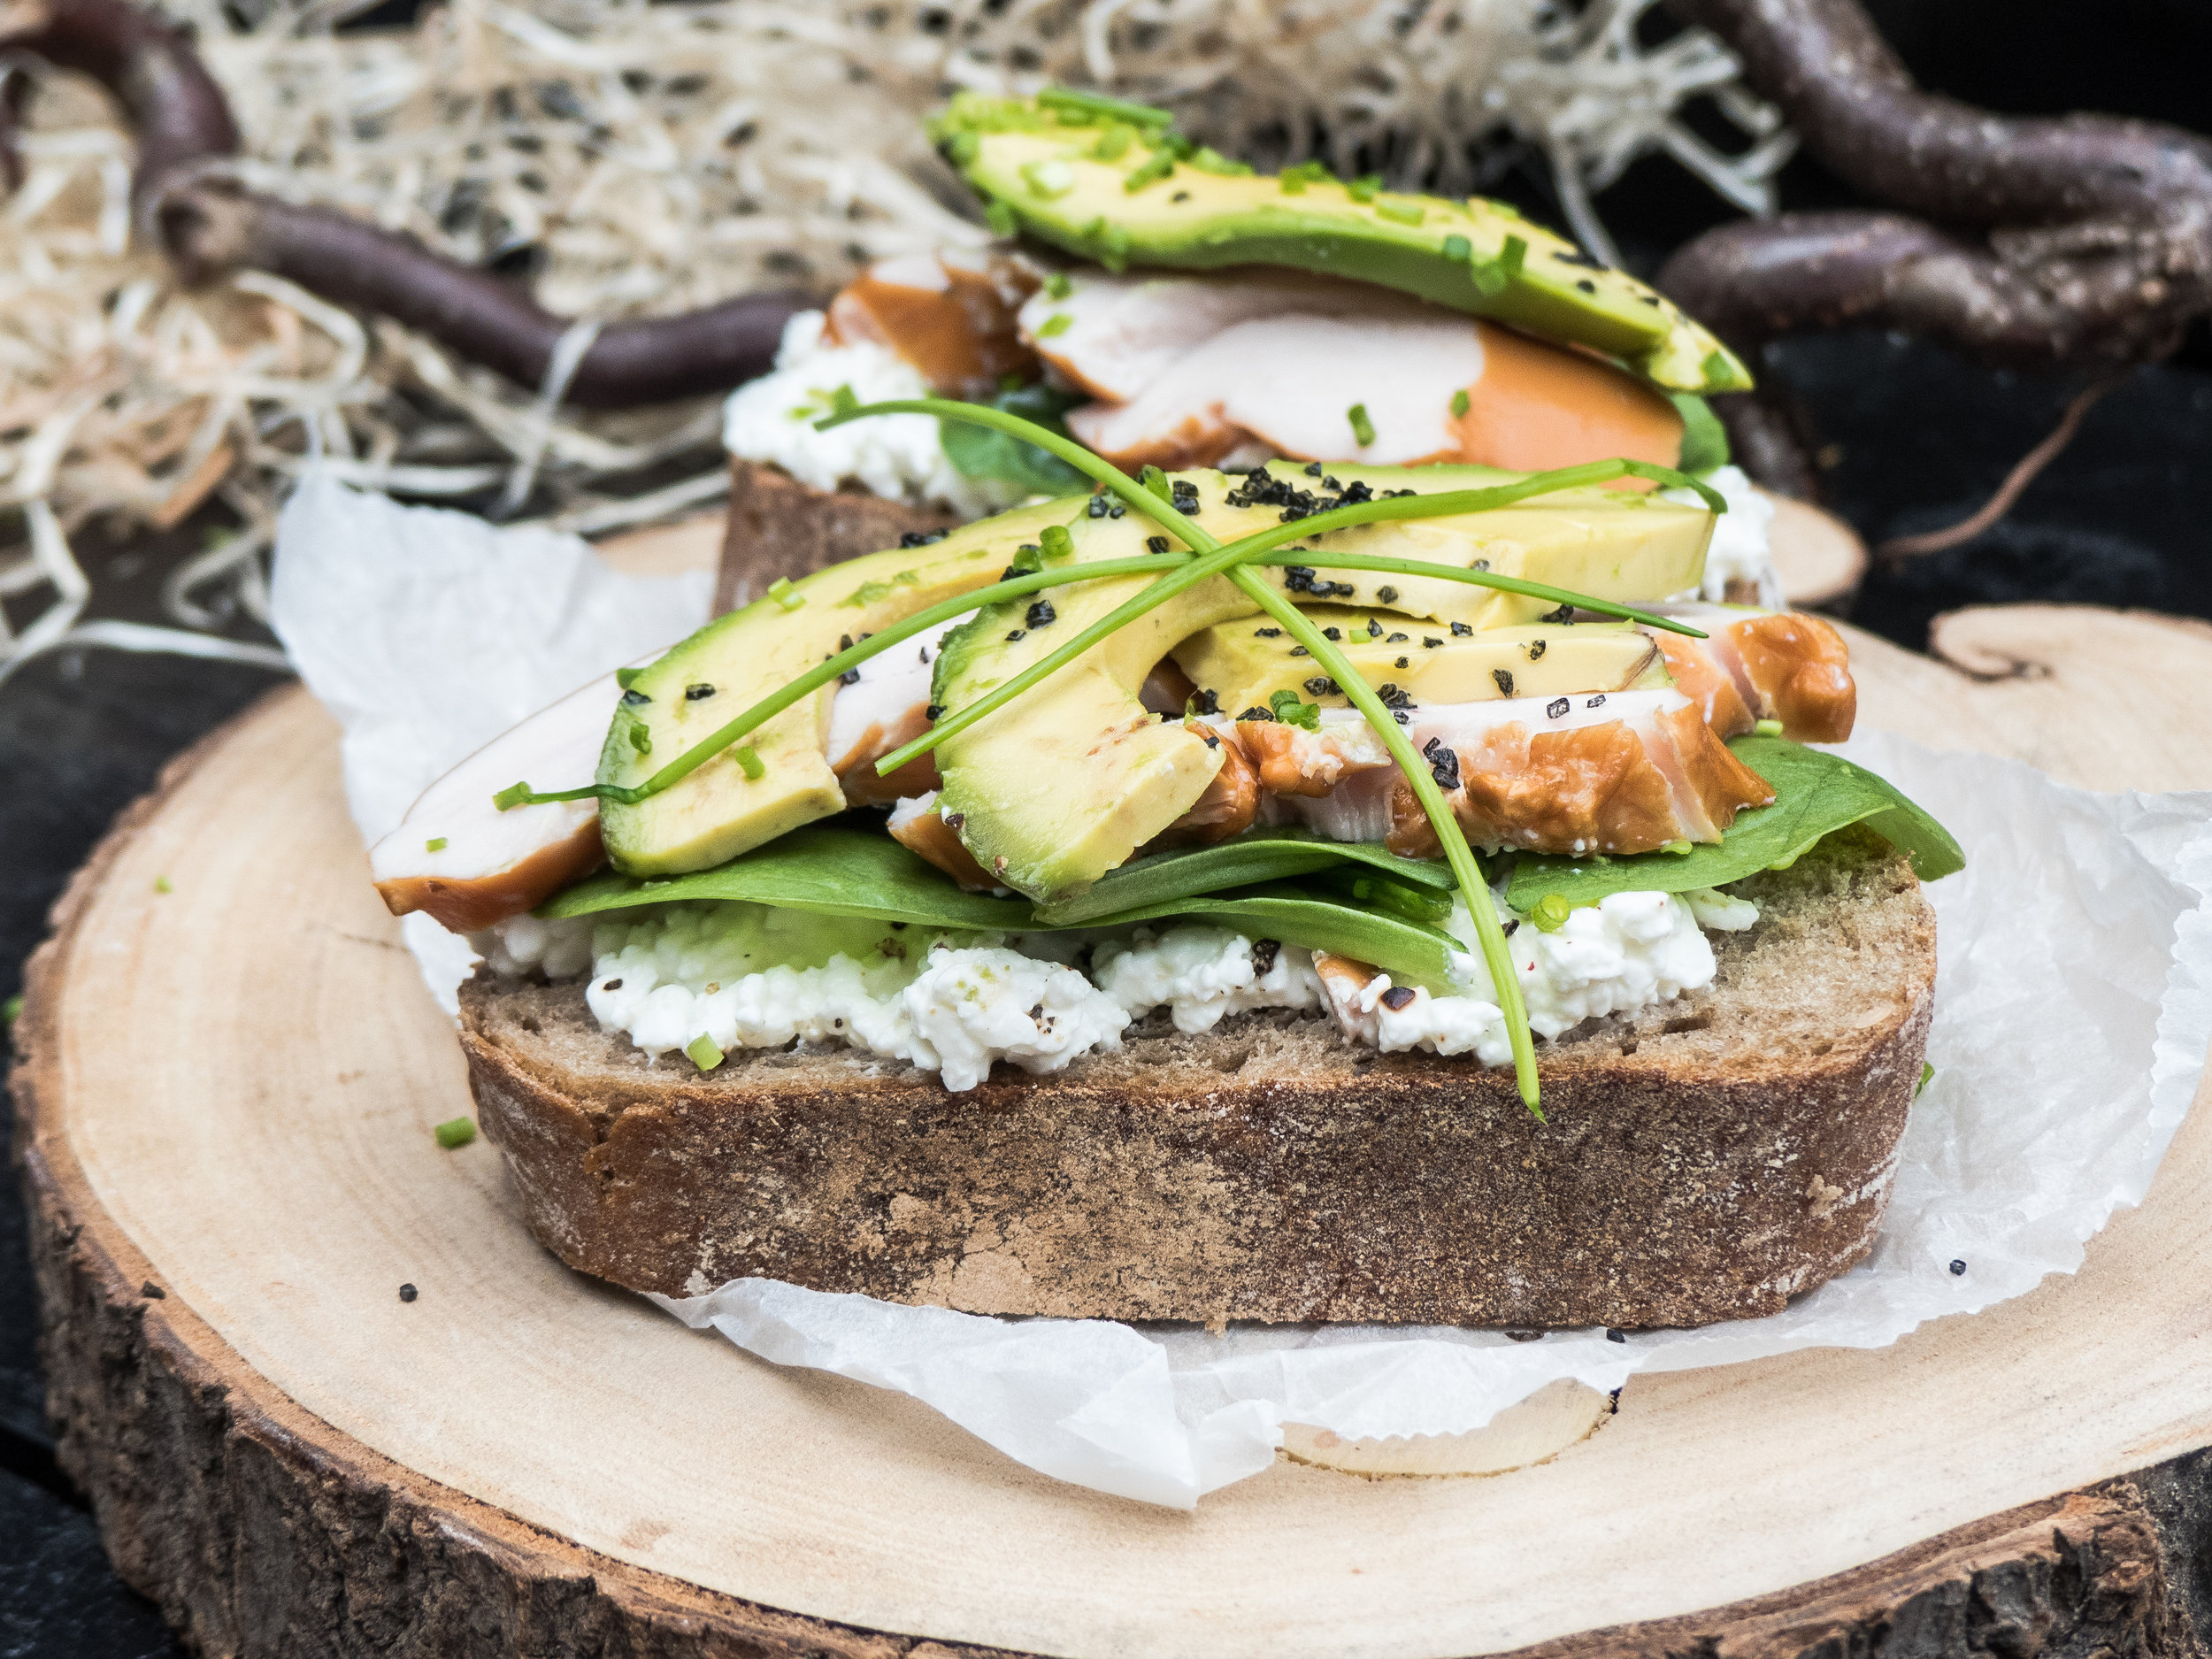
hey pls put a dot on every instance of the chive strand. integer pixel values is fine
(822, 673)
(1158, 508)
(1495, 954)
(1320, 560)
(1215, 559)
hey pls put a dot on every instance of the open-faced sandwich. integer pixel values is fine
(1376, 886)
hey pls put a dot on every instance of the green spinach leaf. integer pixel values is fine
(826, 868)
(1404, 949)
(1704, 440)
(1816, 795)
(979, 452)
(833, 869)
(1264, 854)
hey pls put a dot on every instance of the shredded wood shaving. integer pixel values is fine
(636, 159)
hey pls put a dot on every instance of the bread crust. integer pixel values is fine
(778, 526)
(1703, 1161)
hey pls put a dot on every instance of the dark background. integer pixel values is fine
(1916, 439)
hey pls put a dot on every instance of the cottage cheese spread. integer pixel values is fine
(1739, 549)
(1629, 951)
(897, 456)
(1201, 975)
(955, 1004)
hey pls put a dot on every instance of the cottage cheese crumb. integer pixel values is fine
(1628, 952)
(897, 456)
(1202, 975)
(1740, 549)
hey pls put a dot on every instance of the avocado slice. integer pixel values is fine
(1124, 193)
(718, 811)
(1609, 544)
(1068, 780)
(1242, 663)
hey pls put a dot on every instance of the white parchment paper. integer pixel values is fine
(2073, 1010)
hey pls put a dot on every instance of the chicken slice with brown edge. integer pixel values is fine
(1781, 665)
(918, 826)
(467, 864)
(950, 315)
(1188, 368)
(1577, 776)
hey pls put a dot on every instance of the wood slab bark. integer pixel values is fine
(229, 1073)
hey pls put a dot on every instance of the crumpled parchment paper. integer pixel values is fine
(2073, 1010)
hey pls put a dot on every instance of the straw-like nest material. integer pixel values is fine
(630, 158)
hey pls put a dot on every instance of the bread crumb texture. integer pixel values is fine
(1703, 1160)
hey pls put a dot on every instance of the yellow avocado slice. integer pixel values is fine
(718, 811)
(1607, 543)
(1242, 663)
(1064, 783)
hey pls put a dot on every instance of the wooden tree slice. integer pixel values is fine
(230, 1074)
(1818, 558)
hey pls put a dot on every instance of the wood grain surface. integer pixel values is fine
(231, 1071)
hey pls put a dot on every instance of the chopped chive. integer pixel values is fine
(1927, 1075)
(1457, 248)
(1058, 286)
(627, 677)
(782, 591)
(641, 737)
(455, 1133)
(1362, 428)
(161, 885)
(748, 762)
(1048, 180)
(1460, 403)
(1075, 100)
(701, 1052)
(1055, 325)
(435, 844)
(1364, 189)
(11, 1010)
(1493, 277)
(1768, 728)
(1161, 163)
(1399, 213)
(1058, 544)
(1551, 912)
(1287, 707)
(999, 217)
(1208, 159)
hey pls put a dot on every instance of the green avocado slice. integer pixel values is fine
(724, 808)
(1064, 783)
(1242, 664)
(1126, 192)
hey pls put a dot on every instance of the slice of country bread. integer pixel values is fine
(1704, 1160)
(778, 526)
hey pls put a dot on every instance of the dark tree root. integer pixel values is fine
(2081, 241)
(208, 226)
(2023, 473)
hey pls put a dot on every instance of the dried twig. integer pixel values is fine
(2000, 503)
